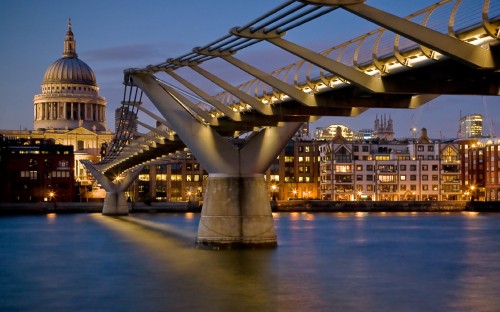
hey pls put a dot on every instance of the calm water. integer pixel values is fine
(324, 262)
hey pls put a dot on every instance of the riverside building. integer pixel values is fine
(390, 170)
(480, 168)
(34, 170)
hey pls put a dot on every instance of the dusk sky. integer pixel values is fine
(114, 35)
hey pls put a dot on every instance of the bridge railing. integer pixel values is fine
(380, 50)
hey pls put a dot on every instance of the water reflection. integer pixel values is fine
(324, 262)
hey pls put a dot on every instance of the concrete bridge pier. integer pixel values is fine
(236, 214)
(236, 211)
(115, 202)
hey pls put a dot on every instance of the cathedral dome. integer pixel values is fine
(69, 69)
(70, 94)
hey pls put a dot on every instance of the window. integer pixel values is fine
(369, 177)
(402, 167)
(434, 177)
(425, 187)
(449, 154)
(402, 177)
(434, 167)
(365, 148)
(386, 178)
(343, 155)
(403, 187)
(413, 167)
(420, 148)
(430, 148)
(413, 187)
(359, 177)
(359, 167)
(369, 167)
(355, 148)
(369, 188)
(413, 177)
(425, 167)
(343, 168)
(425, 177)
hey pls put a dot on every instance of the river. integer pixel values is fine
(324, 262)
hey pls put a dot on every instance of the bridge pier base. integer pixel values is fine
(115, 204)
(236, 214)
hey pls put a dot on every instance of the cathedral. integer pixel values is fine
(383, 128)
(69, 109)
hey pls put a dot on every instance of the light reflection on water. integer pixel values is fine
(324, 262)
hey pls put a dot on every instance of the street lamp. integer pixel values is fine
(51, 196)
(273, 188)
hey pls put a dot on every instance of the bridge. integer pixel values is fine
(451, 47)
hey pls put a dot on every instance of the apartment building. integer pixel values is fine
(390, 170)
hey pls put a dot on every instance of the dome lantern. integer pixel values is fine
(69, 43)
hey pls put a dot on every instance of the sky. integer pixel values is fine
(115, 35)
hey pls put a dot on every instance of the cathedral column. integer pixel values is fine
(79, 111)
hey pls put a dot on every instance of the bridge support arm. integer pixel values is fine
(115, 202)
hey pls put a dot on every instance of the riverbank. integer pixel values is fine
(277, 206)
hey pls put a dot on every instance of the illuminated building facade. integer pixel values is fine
(293, 175)
(481, 168)
(396, 170)
(471, 126)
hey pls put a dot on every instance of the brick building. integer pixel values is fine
(35, 170)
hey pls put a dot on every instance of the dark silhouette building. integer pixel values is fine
(34, 170)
